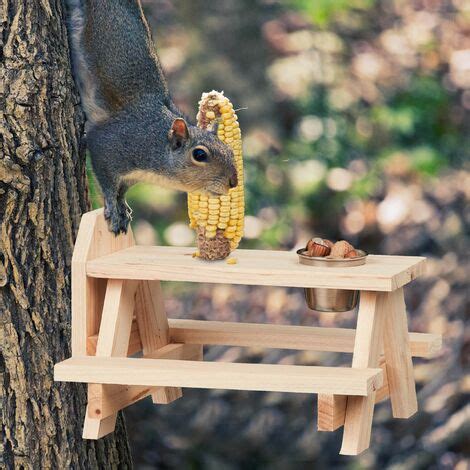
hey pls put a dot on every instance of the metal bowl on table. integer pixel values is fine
(331, 300)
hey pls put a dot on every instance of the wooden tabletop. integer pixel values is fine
(254, 267)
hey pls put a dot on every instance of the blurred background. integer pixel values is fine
(355, 118)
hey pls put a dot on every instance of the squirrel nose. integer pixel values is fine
(233, 180)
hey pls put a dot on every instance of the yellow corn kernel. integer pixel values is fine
(219, 217)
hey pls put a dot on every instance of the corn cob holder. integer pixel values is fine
(218, 220)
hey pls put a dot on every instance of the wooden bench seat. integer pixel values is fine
(232, 376)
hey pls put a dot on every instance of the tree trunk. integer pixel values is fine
(43, 194)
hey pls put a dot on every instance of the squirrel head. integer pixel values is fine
(202, 161)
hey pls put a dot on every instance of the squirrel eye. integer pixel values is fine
(199, 155)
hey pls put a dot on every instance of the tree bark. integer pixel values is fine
(43, 194)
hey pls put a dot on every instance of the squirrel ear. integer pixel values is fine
(178, 133)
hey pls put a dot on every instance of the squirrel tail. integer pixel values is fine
(113, 56)
(86, 82)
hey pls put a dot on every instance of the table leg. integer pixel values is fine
(398, 361)
(154, 330)
(367, 348)
(113, 340)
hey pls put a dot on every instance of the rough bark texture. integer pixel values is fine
(42, 196)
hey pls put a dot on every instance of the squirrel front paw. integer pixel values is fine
(118, 216)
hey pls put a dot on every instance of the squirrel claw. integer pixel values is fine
(118, 224)
(118, 218)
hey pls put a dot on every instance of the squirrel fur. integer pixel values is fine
(135, 132)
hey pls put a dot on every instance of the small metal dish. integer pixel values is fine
(331, 300)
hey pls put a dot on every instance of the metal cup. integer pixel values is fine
(331, 300)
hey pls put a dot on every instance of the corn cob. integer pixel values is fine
(218, 220)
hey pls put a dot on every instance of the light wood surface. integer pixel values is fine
(118, 310)
(331, 412)
(255, 267)
(98, 428)
(116, 320)
(93, 240)
(284, 336)
(154, 331)
(113, 340)
(105, 402)
(383, 392)
(367, 347)
(332, 408)
(215, 375)
(309, 338)
(135, 345)
(397, 352)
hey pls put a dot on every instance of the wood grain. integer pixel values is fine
(332, 408)
(93, 240)
(135, 344)
(331, 412)
(116, 320)
(154, 331)
(255, 267)
(308, 338)
(284, 336)
(215, 375)
(397, 352)
(367, 347)
(104, 402)
(113, 340)
(383, 393)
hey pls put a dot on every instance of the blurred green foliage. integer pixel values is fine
(322, 12)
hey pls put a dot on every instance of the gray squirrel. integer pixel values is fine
(134, 130)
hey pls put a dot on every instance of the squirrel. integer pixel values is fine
(134, 131)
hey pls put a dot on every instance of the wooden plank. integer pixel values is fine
(383, 392)
(425, 345)
(331, 412)
(98, 428)
(367, 347)
(397, 352)
(93, 240)
(151, 317)
(154, 331)
(116, 320)
(255, 267)
(261, 335)
(332, 408)
(135, 345)
(113, 339)
(219, 375)
(105, 402)
(307, 338)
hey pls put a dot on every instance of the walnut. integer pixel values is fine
(318, 247)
